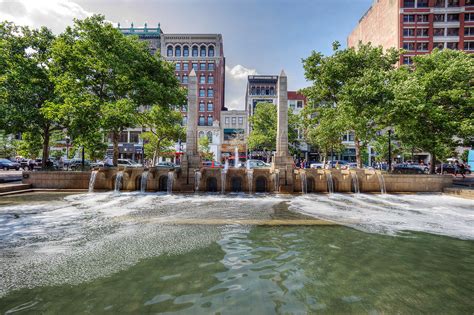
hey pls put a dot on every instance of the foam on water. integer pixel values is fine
(391, 214)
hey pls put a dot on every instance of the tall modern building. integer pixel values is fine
(417, 26)
(202, 52)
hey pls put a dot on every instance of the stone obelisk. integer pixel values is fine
(282, 160)
(191, 160)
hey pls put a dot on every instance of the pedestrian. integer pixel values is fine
(61, 163)
(462, 170)
(456, 168)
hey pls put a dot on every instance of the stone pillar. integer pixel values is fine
(282, 161)
(191, 160)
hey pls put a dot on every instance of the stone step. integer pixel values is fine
(13, 187)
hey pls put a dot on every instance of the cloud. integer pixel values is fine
(236, 83)
(55, 14)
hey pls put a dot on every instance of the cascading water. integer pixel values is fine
(223, 179)
(355, 182)
(383, 189)
(249, 177)
(276, 180)
(143, 181)
(330, 181)
(304, 183)
(236, 157)
(118, 181)
(197, 180)
(169, 183)
(92, 181)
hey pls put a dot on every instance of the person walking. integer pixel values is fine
(462, 170)
(456, 168)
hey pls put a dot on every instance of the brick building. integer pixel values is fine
(418, 26)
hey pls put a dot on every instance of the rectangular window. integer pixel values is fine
(453, 3)
(409, 46)
(185, 79)
(408, 32)
(201, 121)
(209, 120)
(438, 32)
(409, 18)
(468, 45)
(134, 136)
(210, 79)
(210, 107)
(422, 32)
(195, 66)
(408, 3)
(227, 120)
(469, 17)
(422, 18)
(438, 45)
(123, 137)
(469, 31)
(440, 3)
(202, 66)
(234, 120)
(178, 77)
(185, 120)
(241, 120)
(211, 67)
(201, 107)
(453, 17)
(453, 32)
(453, 46)
(439, 17)
(422, 4)
(422, 46)
(202, 93)
(178, 67)
(186, 66)
(407, 60)
(469, 2)
(299, 104)
(202, 79)
(210, 93)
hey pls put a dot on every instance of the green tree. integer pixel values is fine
(356, 82)
(26, 87)
(164, 125)
(7, 146)
(205, 149)
(434, 101)
(264, 129)
(106, 79)
(30, 145)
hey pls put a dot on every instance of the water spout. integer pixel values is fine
(169, 183)
(223, 178)
(330, 181)
(143, 181)
(118, 181)
(226, 164)
(250, 180)
(92, 181)
(383, 189)
(355, 182)
(197, 180)
(304, 183)
(236, 157)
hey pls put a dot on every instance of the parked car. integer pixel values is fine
(169, 165)
(316, 165)
(128, 163)
(76, 164)
(257, 164)
(212, 164)
(449, 169)
(404, 168)
(6, 165)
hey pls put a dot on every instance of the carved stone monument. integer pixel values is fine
(191, 160)
(282, 160)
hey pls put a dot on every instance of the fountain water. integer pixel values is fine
(197, 180)
(330, 181)
(276, 180)
(223, 179)
(249, 177)
(355, 182)
(92, 180)
(169, 183)
(304, 183)
(118, 181)
(383, 189)
(236, 157)
(143, 181)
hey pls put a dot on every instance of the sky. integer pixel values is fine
(260, 36)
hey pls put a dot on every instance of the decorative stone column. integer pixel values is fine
(191, 160)
(282, 160)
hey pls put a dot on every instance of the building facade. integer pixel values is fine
(417, 26)
(234, 134)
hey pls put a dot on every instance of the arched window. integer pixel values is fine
(201, 123)
(185, 51)
(209, 133)
(202, 79)
(169, 51)
(210, 93)
(177, 51)
(201, 133)
(203, 51)
(210, 79)
(202, 92)
(210, 106)
(195, 51)
(211, 51)
(201, 106)
(209, 121)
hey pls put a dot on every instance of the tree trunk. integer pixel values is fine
(45, 146)
(433, 163)
(357, 149)
(115, 140)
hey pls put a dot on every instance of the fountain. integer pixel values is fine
(383, 189)
(330, 181)
(92, 181)
(304, 183)
(276, 180)
(236, 157)
(224, 175)
(355, 182)
(118, 181)
(249, 177)
(169, 183)
(197, 180)
(143, 181)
